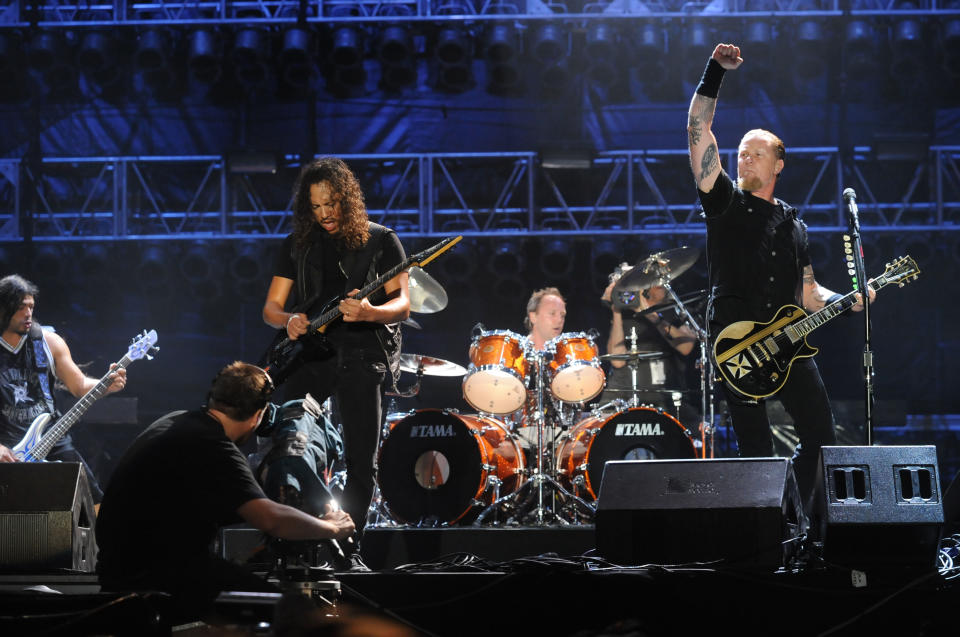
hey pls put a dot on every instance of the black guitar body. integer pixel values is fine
(754, 359)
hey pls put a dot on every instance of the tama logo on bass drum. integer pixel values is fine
(638, 429)
(432, 431)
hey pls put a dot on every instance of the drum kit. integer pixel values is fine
(534, 452)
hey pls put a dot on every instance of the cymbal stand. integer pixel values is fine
(540, 488)
(706, 372)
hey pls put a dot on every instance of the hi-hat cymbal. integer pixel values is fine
(426, 294)
(657, 269)
(632, 356)
(429, 366)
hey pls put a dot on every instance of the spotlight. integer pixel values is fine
(601, 51)
(347, 47)
(507, 258)
(453, 46)
(555, 79)
(48, 262)
(509, 288)
(153, 268)
(549, 43)
(250, 50)
(196, 264)
(556, 258)
(460, 264)
(908, 48)
(204, 56)
(247, 262)
(96, 52)
(810, 52)
(10, 54)
(503, 74)
(397, 76)
(860, 49)
(697, 43)
(950, 46)
(453, 53)
(758, 38)
(605, 256)
(396, 45)
(151, 53)
(46, 50)
(651, 44)
(295, 58)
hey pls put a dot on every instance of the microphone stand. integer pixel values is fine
(861, 281)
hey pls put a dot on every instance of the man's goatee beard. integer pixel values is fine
(748, 183)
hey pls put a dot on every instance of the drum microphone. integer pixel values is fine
(850, 198)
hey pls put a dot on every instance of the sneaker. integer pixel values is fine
(352, 564)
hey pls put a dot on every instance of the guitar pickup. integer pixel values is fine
(771, 344)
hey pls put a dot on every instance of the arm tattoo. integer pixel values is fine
(694, 131)
(709, 163)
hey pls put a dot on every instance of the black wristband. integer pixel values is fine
(712, 79)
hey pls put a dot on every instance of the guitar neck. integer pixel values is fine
(69, 419)
(832, 311)
(364, 292)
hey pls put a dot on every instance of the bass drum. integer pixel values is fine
(641, 433)
(440, 467)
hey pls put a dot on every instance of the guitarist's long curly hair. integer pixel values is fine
(354, 230)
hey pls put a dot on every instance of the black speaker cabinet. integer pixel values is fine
(744, 510)
(46, 517)
(879, 506)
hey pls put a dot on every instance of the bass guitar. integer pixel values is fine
(285, 355)
(38, 441)
(755, 358)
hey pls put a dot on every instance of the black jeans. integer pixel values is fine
(804, 397)
(354, 378)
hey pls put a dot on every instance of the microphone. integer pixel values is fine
(850, 198)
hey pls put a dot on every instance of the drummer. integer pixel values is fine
(546, 312)
(633, 328)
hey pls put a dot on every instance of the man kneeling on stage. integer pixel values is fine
(181, 480)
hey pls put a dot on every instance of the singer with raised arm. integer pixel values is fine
(757, 251)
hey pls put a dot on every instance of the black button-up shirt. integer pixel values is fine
(756, 251)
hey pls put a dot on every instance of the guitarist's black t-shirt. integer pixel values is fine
(325, 252)
(177, 484)
(756, 251)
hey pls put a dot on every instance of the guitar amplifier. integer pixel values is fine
(46, 517)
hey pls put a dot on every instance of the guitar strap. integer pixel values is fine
(42, 364)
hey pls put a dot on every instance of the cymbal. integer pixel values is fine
(657, 269)
(426, 294)
(632, 356)
(411, 323)
(430, 366)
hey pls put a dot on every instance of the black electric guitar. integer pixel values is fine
(39, 440)
(755, 358)
(285, 355)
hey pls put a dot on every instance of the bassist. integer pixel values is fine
(31, 361)
(758, 261)
(333, 251)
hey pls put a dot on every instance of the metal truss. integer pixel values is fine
(78, 13)
(475, 194)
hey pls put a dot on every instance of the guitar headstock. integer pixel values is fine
(143, 346)
(426, 256)
(901, 271)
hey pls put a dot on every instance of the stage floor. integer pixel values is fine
(482, 582)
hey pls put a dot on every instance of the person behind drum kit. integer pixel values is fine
(658, 379)
(758, 258)
(546, 313)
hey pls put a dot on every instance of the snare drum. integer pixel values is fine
(498, 369)
(641, 433)
(574, 372)
(439, 466)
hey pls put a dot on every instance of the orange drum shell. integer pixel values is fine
(503, 351)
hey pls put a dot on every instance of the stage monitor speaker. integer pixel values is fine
(879, 507)
(46, 517)
(743, 510)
